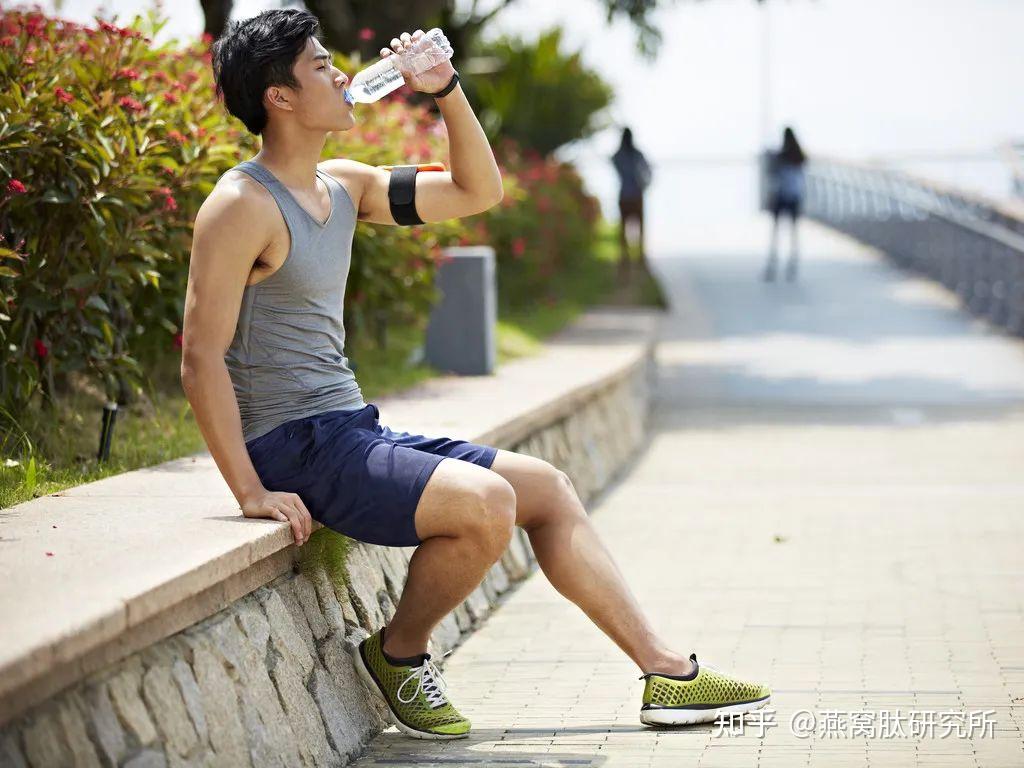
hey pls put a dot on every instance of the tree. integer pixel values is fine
(361, 25)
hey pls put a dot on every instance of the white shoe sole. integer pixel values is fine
(680, 716)
(371, 685)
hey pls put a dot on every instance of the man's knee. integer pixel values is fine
(493, 519)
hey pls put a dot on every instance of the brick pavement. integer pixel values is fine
(825, 504)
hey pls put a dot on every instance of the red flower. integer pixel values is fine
(15, 187)
(171, 98)
(84, 48)
(190, 77)
(178, 86)
(160, 76)
(417, 264)
(41, 349)
(131, 104)
(366, 34)
(28, 61)
(126, 73)
(206, 38)
(518, 247)
(170, 204)
(63, 95)
(177, 340)
(7, 42)
(176, 136)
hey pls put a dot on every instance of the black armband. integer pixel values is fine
(402, 195)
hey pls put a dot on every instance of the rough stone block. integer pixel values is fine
(147, 758)
(10, 751)
(306, 595)
(303, 716)
(219, 704)
(106, 728)
(346, 735)
(70, 709)
(125, 688)
(44, 741)
(261, 709)
(366, 585)
(330, 606)
(189, 690)
(168, 709)
(477, 604)
(288, 629)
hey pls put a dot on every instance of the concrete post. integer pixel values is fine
(461, 329)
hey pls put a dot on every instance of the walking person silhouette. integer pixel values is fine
(786, 195)
(634, 177)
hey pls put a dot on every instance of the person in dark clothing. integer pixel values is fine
(786, 196)
(634, 175)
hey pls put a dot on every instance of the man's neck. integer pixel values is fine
(292, 158)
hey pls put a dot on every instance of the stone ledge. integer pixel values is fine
(73, 613)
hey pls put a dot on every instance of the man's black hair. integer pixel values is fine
(256, 53)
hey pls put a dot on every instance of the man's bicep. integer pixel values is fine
(225, 245)
(437, 197)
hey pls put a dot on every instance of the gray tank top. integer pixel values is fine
(287, 358)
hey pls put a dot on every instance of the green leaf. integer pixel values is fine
(97, 303)
(82, 280)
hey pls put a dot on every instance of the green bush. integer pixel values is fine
(109, 145)
(539, 96)
(544, 226)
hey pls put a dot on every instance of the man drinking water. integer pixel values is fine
(264, 368)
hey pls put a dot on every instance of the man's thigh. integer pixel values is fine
(456, 496)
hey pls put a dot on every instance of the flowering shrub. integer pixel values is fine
(544, 225)
(108, 146)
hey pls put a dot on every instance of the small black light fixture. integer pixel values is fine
(107, 430)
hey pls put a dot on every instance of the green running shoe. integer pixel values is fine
(700, 697)
(413, 689)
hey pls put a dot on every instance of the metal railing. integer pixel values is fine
(970, 245)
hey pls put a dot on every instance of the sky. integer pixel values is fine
(932, 85)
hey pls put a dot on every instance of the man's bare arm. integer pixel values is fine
(230, 232)
(473, 184)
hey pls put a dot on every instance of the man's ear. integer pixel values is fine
(277, 97)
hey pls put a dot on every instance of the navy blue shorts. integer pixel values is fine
(355, 475)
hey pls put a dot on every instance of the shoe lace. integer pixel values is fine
(429, 680)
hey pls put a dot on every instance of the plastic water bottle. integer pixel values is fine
(383, 77)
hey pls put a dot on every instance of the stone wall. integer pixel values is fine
(269, 681)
